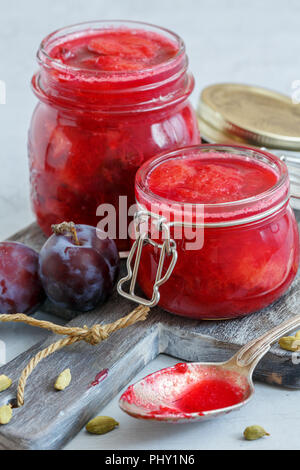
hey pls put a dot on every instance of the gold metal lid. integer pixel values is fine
(231, 113)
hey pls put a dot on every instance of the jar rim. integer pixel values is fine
(280, 188)
(44, 58)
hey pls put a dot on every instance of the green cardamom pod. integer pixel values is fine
(5, 383)
(101, 425)
(5, 414)
(289, 343)
(254, 432)
(63, 380)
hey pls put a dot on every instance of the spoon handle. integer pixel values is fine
(255, 349)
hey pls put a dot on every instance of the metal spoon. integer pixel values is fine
(155, 396)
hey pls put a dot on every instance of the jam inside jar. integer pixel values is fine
(236, 201)
(111, 96)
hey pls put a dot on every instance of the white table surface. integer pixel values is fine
(234, 40)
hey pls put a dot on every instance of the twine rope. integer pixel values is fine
(93, 336)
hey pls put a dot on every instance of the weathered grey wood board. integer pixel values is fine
(49, 418)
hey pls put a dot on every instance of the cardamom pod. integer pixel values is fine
(101, 425)
(63, 380)
(5, 382)
(252, 433)
(5, 414)
(289, 343)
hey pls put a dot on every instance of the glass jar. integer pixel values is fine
(94, 127)
(247, 250)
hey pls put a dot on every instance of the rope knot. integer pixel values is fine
(95, 335)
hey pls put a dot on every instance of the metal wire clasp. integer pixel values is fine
(167, 247)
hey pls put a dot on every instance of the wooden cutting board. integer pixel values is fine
(49, 419)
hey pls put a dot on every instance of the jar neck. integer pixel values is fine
(148, 90)
(234, 213)
(180, 216)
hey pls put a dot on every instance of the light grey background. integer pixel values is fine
(255, 42)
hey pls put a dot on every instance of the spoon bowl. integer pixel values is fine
(189, 392)
(162, 395)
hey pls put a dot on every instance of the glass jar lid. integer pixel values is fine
(231, 113)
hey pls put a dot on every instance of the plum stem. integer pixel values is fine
(66, 227)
